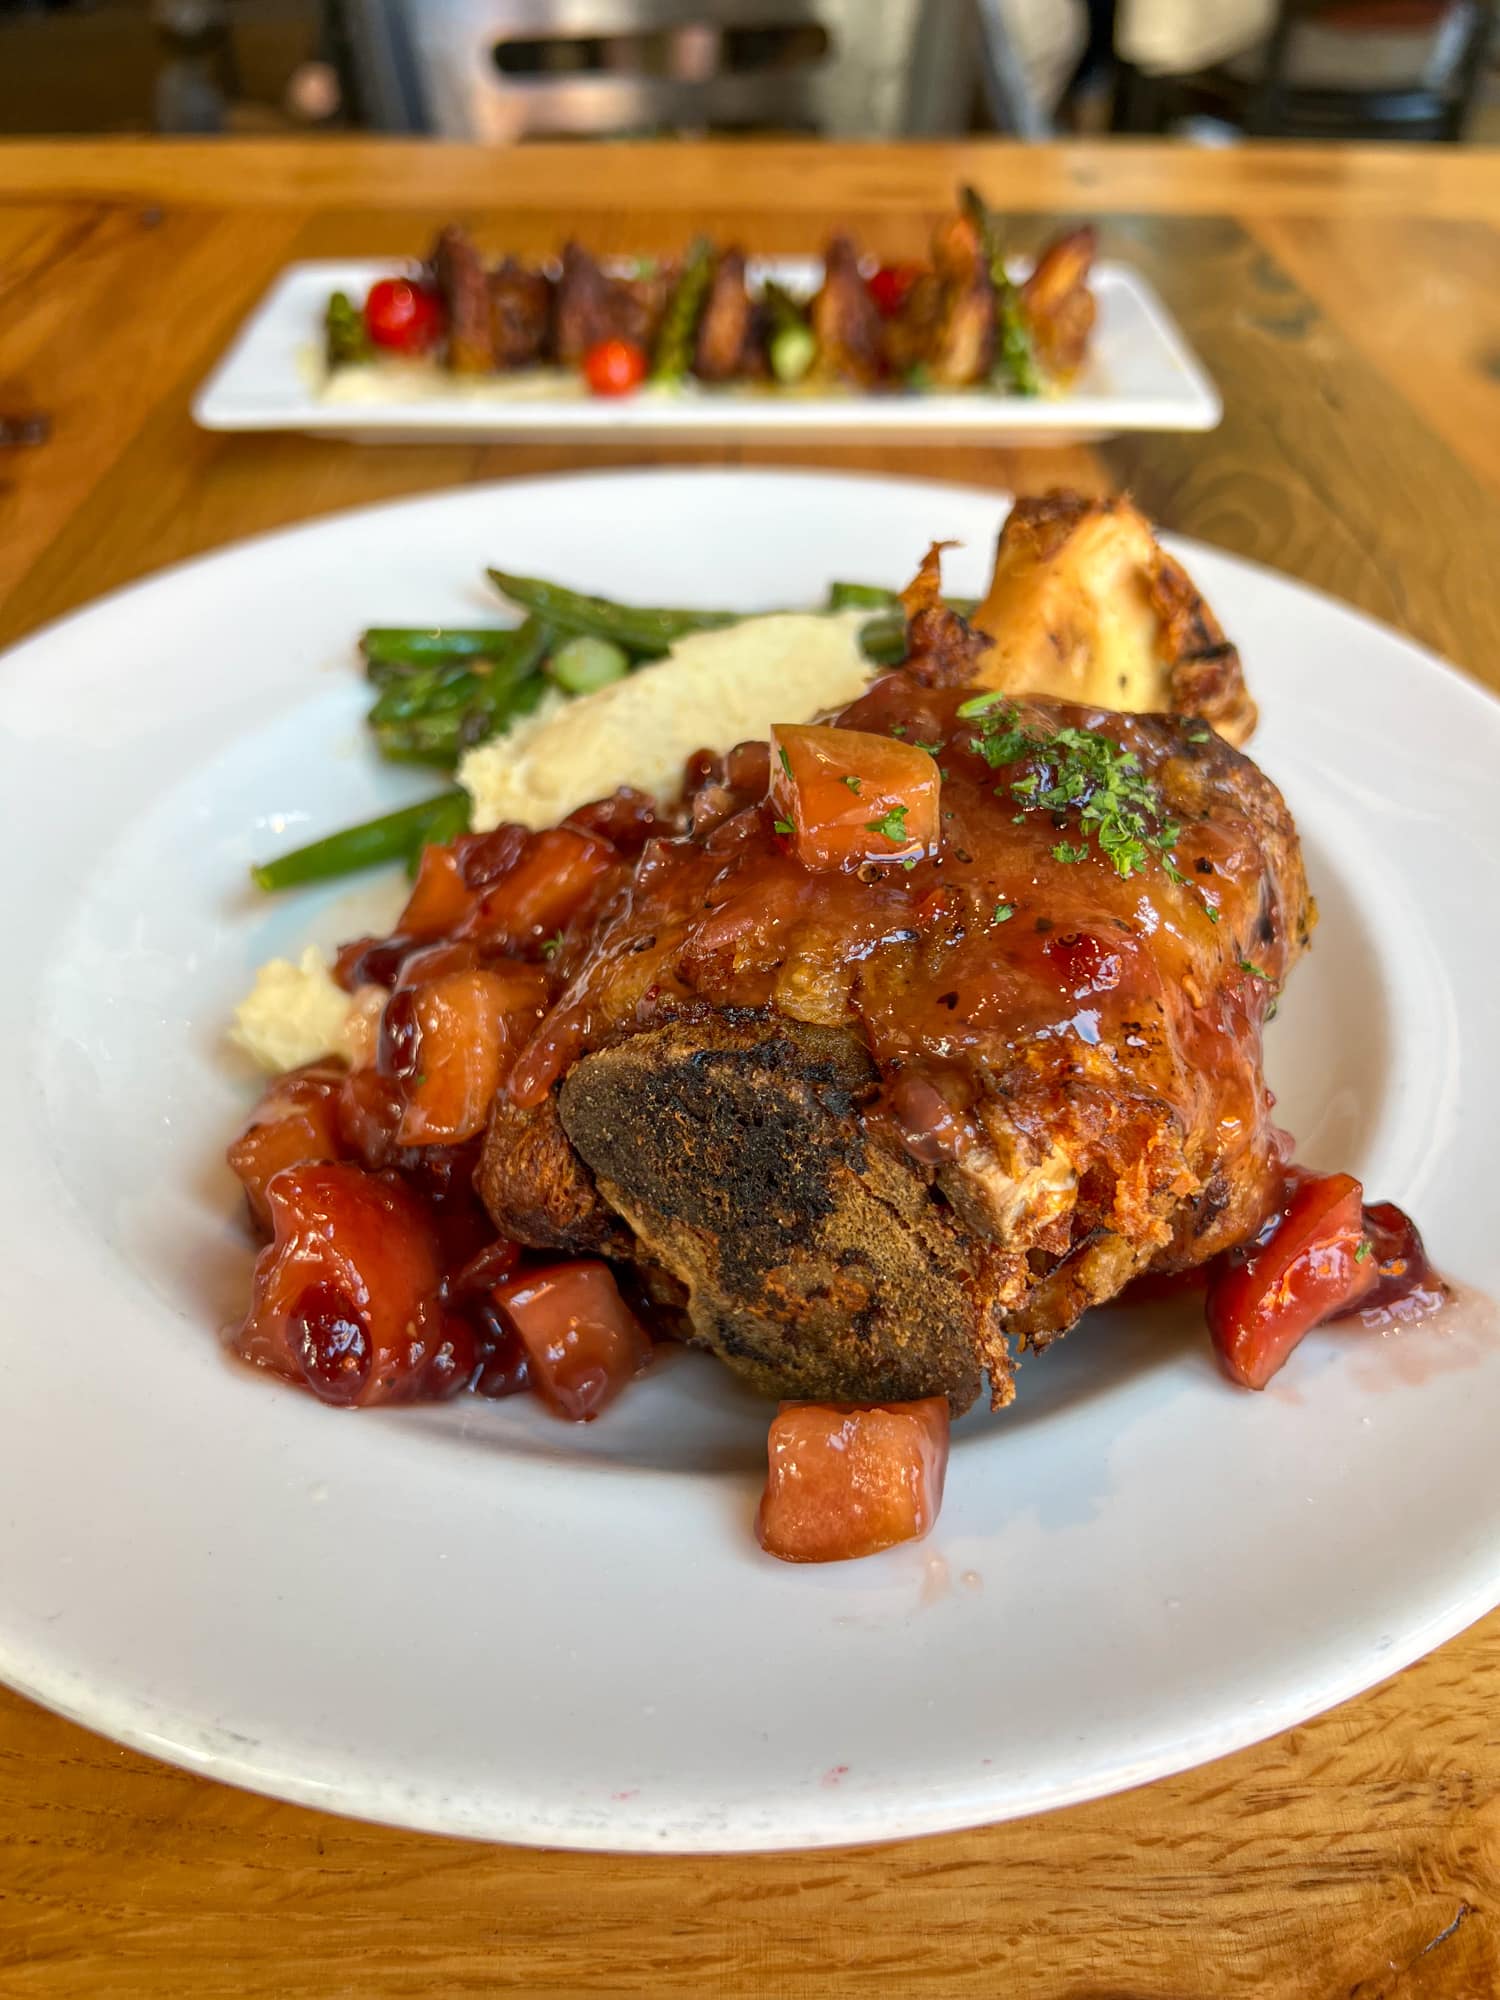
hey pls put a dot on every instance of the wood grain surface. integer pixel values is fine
(1346, 302)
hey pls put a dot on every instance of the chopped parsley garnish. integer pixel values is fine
(783, 826)
(910, 862)
(1256, 971)
(1211, 913)
(893, 825)
(1362, 1252)
(898, 729)
(1199, 735)
(931, 748)
(1082, 771)
(786, 762)
(1003, 913)
(553, 945)
(1174, 872)
(853, 783)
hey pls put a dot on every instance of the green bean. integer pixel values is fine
(395, 836)
(648, 630)
(432, 714)
(1017, 364)
(393, 650)
(583, 664)
(675, 337)
(441, 735)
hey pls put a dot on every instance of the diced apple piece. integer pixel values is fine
(440, 898)
(346, 1297)
(582, 1341)
(846, 797)
(554, 877)
(847, 1480)
(462, 1041)
(295, 1124)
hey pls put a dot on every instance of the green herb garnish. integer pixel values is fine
(1256, 971)
(893, 825)
(783, 826)
(1003, 912)
(853, 783)
(1066, 851)
(1362, 1252)
(786, 762)
(553, 945)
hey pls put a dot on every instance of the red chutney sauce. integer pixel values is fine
(1015, 959)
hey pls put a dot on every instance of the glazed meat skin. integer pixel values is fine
(882, 1124)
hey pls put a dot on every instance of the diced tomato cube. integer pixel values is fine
(847, 1480)
(295, 1124)
(440, 898)
(462, 1044)
(583, 1343)
(556, 874)
(845, 797)
(347, 1294)
(1315, 1264)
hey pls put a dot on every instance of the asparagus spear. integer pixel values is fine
(345, 341)
(792, 346)
(396, 836)
(1017, 367)
(648, 630)
(673, 358)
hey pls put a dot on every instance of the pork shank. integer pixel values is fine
(872, 1129)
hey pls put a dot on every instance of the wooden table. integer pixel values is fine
(1347, 303)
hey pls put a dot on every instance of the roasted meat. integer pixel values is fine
(845, 321)
(1058, 305)
(1085, 606)
(727, 347)
(458, 270)
(592, 304)
(883, 1122)
(520, 314)
(961, 346)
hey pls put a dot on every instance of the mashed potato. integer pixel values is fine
(713, 690)
(296, 1014)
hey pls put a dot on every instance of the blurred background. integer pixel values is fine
(503, 70)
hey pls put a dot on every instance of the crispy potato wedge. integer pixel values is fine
(1085, 606)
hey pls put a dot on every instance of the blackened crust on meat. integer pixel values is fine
(817, 1262)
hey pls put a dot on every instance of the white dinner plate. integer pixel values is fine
(477, 1619)
(1140, 375)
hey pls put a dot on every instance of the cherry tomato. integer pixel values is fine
(615, 367)
(402, 317)
(890, 286)
(844, 1481)
(845, 797)
(583, 1343)
(1314, 1265)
